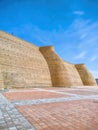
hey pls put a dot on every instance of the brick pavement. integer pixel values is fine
(49, 109)
(73, 115)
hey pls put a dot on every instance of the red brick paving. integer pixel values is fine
(73, 115)
(32, 95)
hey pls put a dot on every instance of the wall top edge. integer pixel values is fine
(6, 35)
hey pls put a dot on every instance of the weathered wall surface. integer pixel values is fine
(62, 73)
(85, 75)
(73, 74)
(22, 64)
(26, 65)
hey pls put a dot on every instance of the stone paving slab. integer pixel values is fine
(51, 100)
(10, 117)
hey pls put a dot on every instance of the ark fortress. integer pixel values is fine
(25, 65)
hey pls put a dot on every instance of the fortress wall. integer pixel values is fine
(62, 73)
(22, 64)
(85, 75)
(73, 74)
(26, 65)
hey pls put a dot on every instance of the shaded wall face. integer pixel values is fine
(22, 64)
(73, 74)
(55, 65)
(85, 75)
(62, 73)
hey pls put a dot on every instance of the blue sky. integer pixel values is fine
(71, 26)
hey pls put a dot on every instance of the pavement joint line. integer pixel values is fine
(64, 93)
(68, 89)
(83, 90)
(23, 90)
(11, 117)
(52, 100)
(67, 93)
(54, 91)
(73, 89)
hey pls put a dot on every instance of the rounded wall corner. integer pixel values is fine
(47, 48)
(79, 65)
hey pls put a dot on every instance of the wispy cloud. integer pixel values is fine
(93, 58)
(81, 55)
(78, 12)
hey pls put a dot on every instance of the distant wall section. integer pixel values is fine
(62, 73)
(73, 74)
(85, 75)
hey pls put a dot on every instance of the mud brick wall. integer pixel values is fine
(22, 64)
(73, 74)
(25, 65)
(85, 75)
(62, 73)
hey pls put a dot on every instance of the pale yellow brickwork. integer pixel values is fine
(85, 75)
(22, 64)
(73, 74)
(25, 65)
(62, 73)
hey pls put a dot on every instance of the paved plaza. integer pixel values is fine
(49, 109)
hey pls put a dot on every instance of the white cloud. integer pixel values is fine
(78, 12)
(93, 58)
(81, 55)
(83, 36)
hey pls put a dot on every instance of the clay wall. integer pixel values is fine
(85, 75)
(62, 73)
(73, 74)
(22, 64)
(25, 65)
